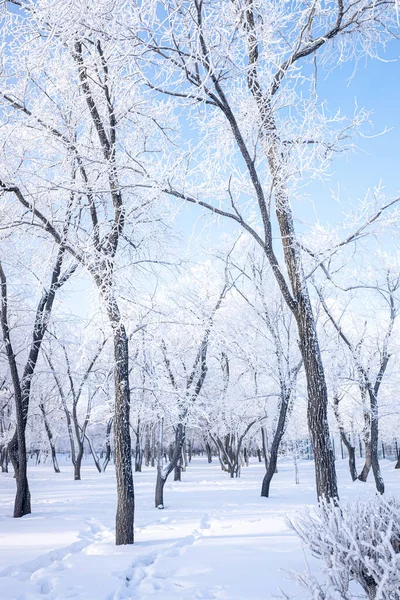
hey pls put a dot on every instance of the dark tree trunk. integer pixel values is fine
(209, 453)
(108, 445)
(50, 438)
(264, 445)
(93, 452)
(224, 458)
(122, 438)
(190, 448)
(159, 495)
(162, 474)
(184, 458)
(352, 461)
(147, 450)
(380, 486)
(78, 462)
(325, 472)
(4, 459)
(138, 453)
(170, 451)
(371, 443)
(153, 448)
(178, 470)
(346, 441)
(273, 457)
(363, 476)
(22, 505)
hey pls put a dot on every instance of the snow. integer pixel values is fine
(215, 539)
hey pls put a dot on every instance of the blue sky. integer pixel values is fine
(376, 87)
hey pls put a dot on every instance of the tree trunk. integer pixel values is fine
(122, 438)
(346, 441)
(162, 474)
(159, 496)
(297, 298)
(224, 458)
(108, 445)
(94, 454)
(325, 472)
(352, 461)
(190, 448)
(352, 455)
(264, 438)
(371, 442)
(78, 462)
(273, 457)
(147, 449)
(178, 470)
(153, 448)
(4, 459)
(209, 453)
(184, 459)
(22, 504)
(380, 486)
(363, 476)
(138, 453)
(51, 440)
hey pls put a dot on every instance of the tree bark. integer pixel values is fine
(50, 438)
(380, 486)
(93, 453)
(350, 449)
(138, 452)
(317, 415)
(22, 504)
(4, 459)
(122, 438)
(273, 456)
(162, 474)
(209, 453)
(371, 433)
(108, 445)
(147, 449)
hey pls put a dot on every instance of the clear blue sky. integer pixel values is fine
(376, 87)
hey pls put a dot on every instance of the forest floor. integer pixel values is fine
(215, 539)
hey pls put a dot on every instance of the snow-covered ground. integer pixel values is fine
(216, 538)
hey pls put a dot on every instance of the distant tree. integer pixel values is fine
(243, 86)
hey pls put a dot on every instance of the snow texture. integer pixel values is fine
(216, 539)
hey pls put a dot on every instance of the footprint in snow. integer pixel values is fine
(186, 541)
(44, 586)
(205, 522)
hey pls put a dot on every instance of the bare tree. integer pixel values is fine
(242, 74)
(81, 105)
(193, 384)
(76, 428)
(22, 384)
(369, 385)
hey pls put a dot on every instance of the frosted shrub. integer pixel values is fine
(359, 543)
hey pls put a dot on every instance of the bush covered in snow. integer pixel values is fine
(359, 543)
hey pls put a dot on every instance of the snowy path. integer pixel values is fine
(216, 539)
